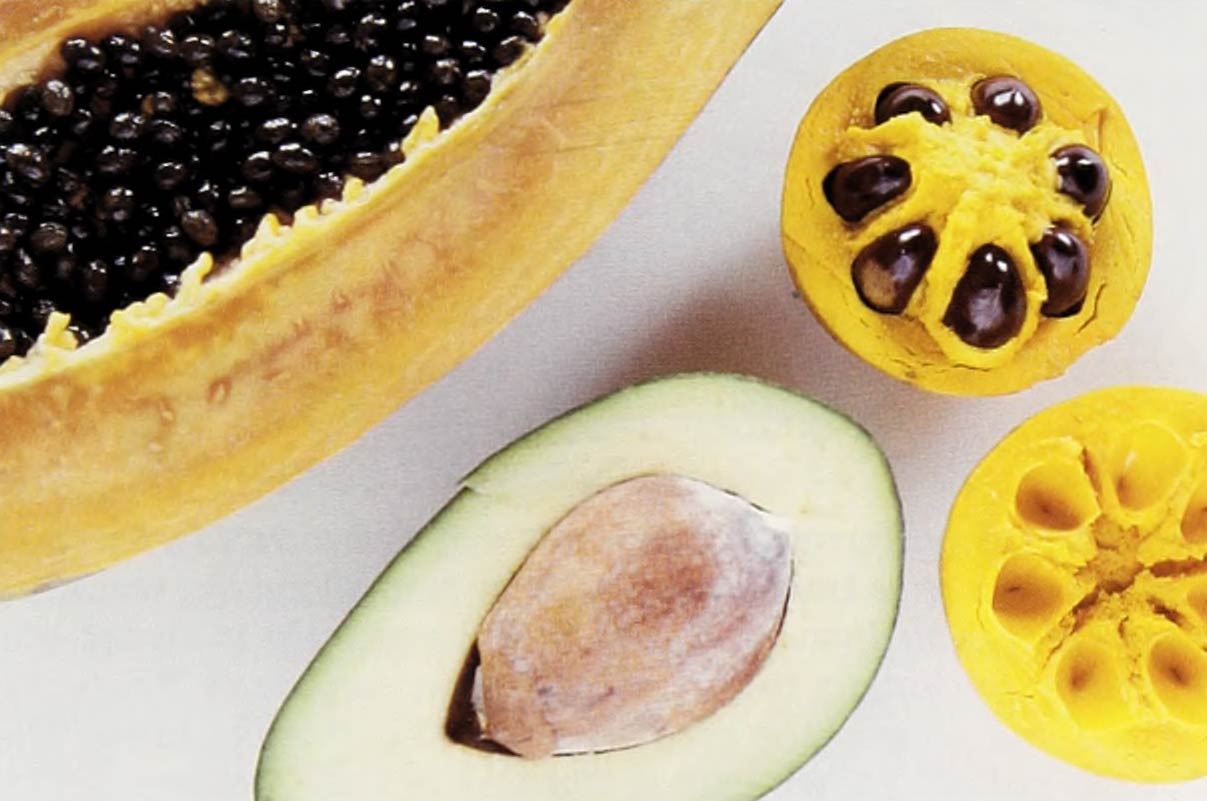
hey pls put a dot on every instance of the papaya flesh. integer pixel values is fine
(188, 408)
(967, 212)
(1074, 575)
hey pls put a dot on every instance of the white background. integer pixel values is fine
(157, 679)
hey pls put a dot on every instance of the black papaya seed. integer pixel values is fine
(989, 304)
(1064, 261)
(856, 188)
(1008, 101)
(887, 271)
(1083, 176)
(905, 98)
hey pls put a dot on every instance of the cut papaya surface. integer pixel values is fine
(256, 363)
(1075, 573)
(967, 211)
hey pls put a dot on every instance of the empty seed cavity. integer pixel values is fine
(1197, 599)
(1177, 671)
(1028, 596)
(1056, 496)
(1146, 464)
(1194, 517)
(1090, 682)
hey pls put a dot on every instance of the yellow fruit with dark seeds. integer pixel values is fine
(967, 211)
(332, 302)
(1075, 580)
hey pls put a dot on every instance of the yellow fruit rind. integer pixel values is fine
(1074, 576)
(191, 408)
(974, 183)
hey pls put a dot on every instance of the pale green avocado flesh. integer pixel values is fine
(367, 721)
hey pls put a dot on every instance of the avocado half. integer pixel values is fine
(368, 719)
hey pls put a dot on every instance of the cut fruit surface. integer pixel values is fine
(967, 211)
(750, 470)
(1073, 578)
(262, 365)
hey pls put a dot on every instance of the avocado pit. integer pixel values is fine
(646, 609)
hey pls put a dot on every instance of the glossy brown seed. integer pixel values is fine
(887, 271)
(905, 98)
(1064, 261)
(1083, 177)
(989, 304)
(1007, 101)
(858, 187)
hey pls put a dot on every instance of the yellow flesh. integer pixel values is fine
(1075, 580)
(187, 410)
(973, 183)
(646, 609)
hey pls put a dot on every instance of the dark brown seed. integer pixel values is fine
(8, 343)
(1007, 101)
(989, 304)
(295, 158)
(113, 160)
(856, 188)
(57, 98)
(94, 280)
(244, 198)
(269, 10)
(127, 126)
(200, 227)
(906, 98)
(143, 264)
(321, 129)
(887, 271)
(26, 271)
(344, 83)
(509, 50)
(1064, 261)
(274, 130)
(169, 175)
(1083, 177)
(49, 237)
(258, 167)
(381, 74)
(28, 163)
(446, 71)
(486, 20)
(82, 56)
(117, 204)
(524, 24)
(197, 49)
(476, 86)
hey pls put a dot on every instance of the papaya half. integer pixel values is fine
(253, 365)
(967, 211)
